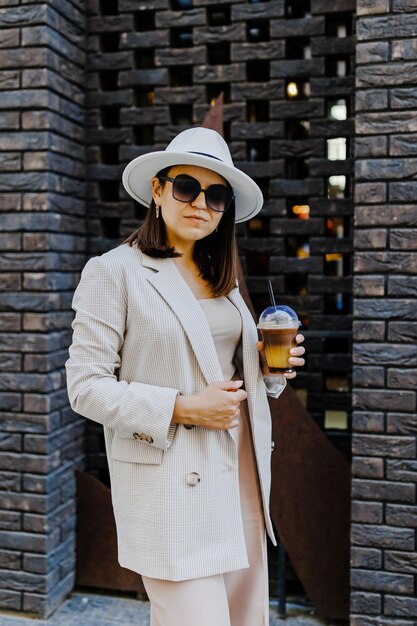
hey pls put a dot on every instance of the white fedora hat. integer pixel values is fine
(194, 146)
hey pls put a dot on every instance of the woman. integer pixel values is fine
(165, 356)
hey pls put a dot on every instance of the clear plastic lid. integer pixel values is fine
(280, 316)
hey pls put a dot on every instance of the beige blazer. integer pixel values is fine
(140, 338)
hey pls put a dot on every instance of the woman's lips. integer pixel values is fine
(195, 217)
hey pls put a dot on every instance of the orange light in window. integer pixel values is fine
(302, 210)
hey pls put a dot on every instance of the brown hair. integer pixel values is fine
(215, 255)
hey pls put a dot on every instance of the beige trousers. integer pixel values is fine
(237, 598)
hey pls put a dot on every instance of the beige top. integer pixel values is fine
(226, 327)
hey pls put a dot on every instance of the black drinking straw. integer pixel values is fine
(271, 293)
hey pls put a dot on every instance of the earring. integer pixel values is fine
(157, 211)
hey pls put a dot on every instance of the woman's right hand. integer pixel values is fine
(215, 407)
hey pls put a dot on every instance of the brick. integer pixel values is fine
(46, 605)
(10, 281)
(10, 600)
(388, 74)
(10, 362)
(402, 192)
(367, 512)
(10, 241)
(402, 332)
(10, 481)
(372, 7)
(402, 286)
(383, 490)
(9, 79)
(402, 378)
(382, 536)
(374, 146)
(403, 98)
(403, 145)
(404, 562)
(365, 421)
(23, 541)
(404, 50)
(45, 362)
(387, 307)
(401, 515)
(401, 423)
(372, 52)
(372, 193)
(368, 331)
(370, 558)
(371, 100)
(403, 238)
(9, 559)
(368, 376)
(368, 468)
(385, 123)
(368, 239)
(10, 401)
(404, 5)
(381, 581)
(405, 470)
(386, 216)
(369, 285)
(371, 169)
(389, 354)
(384, 399)
(10, 520)
(400, 606)
(368, 603)
(384, 446)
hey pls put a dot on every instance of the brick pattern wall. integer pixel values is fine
(384, 507)
(42, 243)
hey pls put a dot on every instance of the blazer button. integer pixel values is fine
(272, 445)
(192, 479)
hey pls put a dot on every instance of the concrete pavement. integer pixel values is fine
(86, 609)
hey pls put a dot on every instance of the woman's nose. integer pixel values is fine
(200, 201)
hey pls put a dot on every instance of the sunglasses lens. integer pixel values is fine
(185, 189)
(217, 197)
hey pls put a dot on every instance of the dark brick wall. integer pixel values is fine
(42, 243)
(384, 509)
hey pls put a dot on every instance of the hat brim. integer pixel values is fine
(139, 172)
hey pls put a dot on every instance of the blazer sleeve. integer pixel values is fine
(129, 408)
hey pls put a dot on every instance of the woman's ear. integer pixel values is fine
(156, 190)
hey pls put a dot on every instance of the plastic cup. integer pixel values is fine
(279, 326)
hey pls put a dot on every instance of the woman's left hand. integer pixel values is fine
(295, 358)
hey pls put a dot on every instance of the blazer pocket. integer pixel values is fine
(134, 451)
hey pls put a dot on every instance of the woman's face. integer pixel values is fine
(187, 222)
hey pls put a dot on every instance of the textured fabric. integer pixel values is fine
(140, 337)
(237, 598)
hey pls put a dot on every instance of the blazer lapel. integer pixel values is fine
(168, 281)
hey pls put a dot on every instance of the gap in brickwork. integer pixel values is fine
(219, 15)
(181, 37)
(297, 8)
(257, 30)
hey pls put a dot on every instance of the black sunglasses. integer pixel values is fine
(186, 189)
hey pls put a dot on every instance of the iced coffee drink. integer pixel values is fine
(279, 326)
